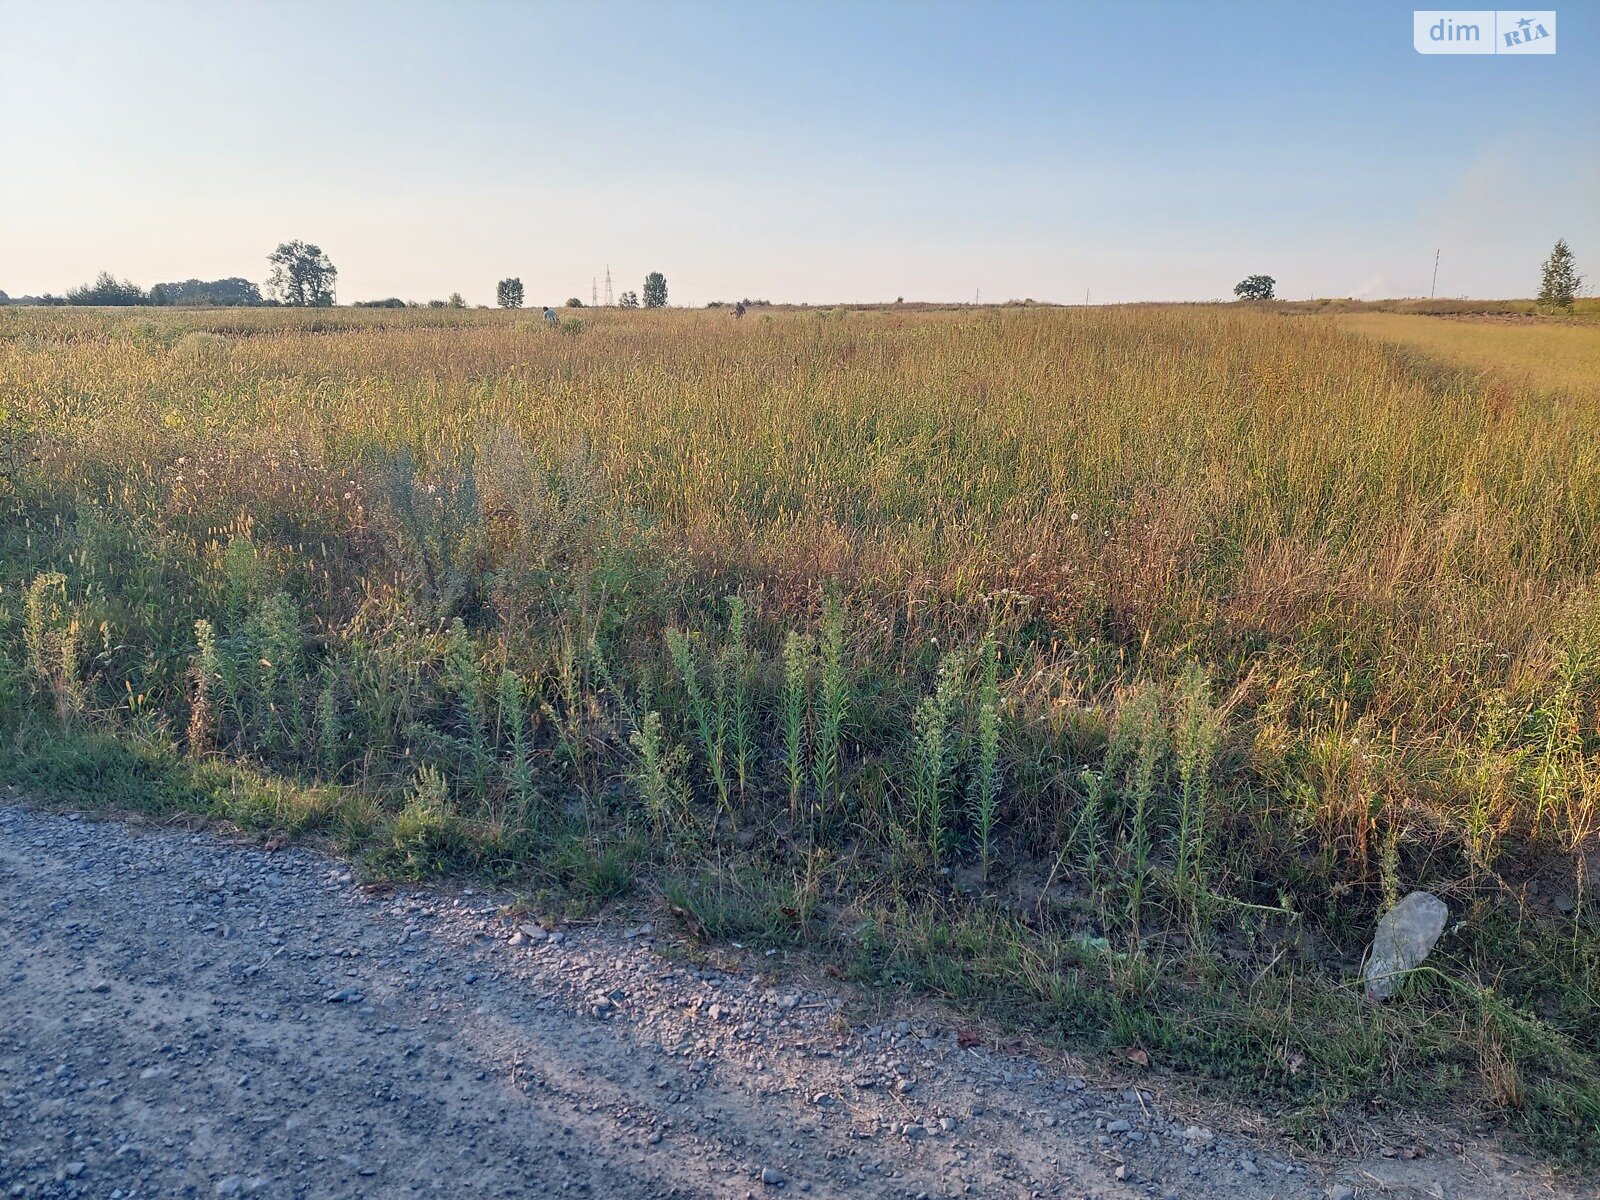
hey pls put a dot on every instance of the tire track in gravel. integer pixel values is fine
(182, 1016)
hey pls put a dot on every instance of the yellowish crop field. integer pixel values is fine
(1109, 669)
(1542, 353)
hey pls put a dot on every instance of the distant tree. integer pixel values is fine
(4, 299)
(574, 302)
(302, 275)
(456, 301)
(655, 290)
(628, 300)
(390, 302)
(508, 293)
(437, 304)
(1560, 281)
(1255, 287)
(232, 292)
(107, 289)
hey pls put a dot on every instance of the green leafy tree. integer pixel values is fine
(302, 275)
(655, 290)
(508, 294)
(1560, 281)
(456, 301)
(628, 300)
(574, 302)
(107, 289)
(232, 292)
(1255, 287)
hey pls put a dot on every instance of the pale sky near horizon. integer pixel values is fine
(810, 151)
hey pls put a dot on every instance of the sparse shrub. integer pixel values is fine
(427, 838)
(433, 532)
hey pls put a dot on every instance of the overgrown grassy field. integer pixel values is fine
(1107, 669)
(1525, 352)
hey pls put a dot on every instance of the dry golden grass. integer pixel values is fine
(1291, 619)
(1540, 353)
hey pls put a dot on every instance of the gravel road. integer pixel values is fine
(185, 1016)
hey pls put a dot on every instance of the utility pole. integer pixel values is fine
(1086, 297)
(608, 285)
(1435, 288)
(594, 292)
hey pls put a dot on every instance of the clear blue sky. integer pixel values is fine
(797, 151)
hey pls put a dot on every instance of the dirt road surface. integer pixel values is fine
(186, 1016)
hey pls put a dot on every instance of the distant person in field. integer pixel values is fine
(738, 310)
(550, 317)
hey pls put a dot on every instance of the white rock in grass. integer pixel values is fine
(1406, 936)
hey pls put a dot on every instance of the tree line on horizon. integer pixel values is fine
(303, 276)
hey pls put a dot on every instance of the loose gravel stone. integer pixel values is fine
(190, 1016)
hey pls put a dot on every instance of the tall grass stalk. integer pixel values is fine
(833, 704)
(986, 776)
(707, 716)
(798, 650)
(934, 754)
